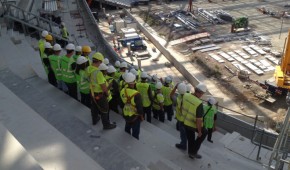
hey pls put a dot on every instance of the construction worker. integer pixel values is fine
(68, 66)
(181, 88)
(55, 63)
(133, 110)
(99, 93)
(145, 90)
(49, 38)
(153, 82)
(86, 50)
(192, 109)
(117, 74)
(209, 117)
(166, 90)
(41, 42)
(64, 33)
(78, 52)
(50, 74)
(83, 82)
(123, 69)
(158, 101)
(114, 88)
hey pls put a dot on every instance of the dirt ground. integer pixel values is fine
(241, 91)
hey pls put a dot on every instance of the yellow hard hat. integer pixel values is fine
(86, 49)
(98, 56)
(48, 37)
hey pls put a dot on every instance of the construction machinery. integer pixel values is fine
(240, 24)
(282, 72)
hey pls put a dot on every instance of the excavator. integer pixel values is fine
(282, 72)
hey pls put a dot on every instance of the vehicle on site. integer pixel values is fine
(135, 41)
(240, 24)
(282, 72)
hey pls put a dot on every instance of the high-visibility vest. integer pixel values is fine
(41, 46)
(64, 33)
(55, 63)
(96, 79)
(142, 88)
(189, 107)
(68, 74)
(83, 82)
(158, 99)
(179, 103)
(208, 119)
(75, 57)
(152, 85)
(166, 93)
(117, 76)
(127, 96)
(122, 84)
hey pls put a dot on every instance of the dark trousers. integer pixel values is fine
(147, 113)
(209, 133)
(100, 108)
(159, 115)
(169, 111)
(72, 90)
(114, 103)
(194, 144)
(51, 78)
(135, 127)
(86, 99)
(182, 133)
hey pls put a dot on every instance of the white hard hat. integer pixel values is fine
(47, 45)
(81, 60)
(201, 87)
(103, 67)
(44, 33)
(79, 48)
(144, 75)
(129, 77)
(134, 71)
(56, 47)
(188, 87)
(117, 63)
(168, 79)
(106, 61)
(211, 101)
(111, 69)
(181, 88)
(135, 67)
(70, 46)
(123, 65)
(158, 85)
(154, 77)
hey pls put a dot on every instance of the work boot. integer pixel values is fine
(179, 146)
(211, 141)
(109, 126)
(197, 156)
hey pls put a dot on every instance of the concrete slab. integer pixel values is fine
(13, 155)
(49, 147)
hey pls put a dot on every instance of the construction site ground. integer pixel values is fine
(224, 84)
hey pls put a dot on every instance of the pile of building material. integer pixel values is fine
(205, 48)
(272, 59)
(257, 49)
(217, 58)
(211, 18)
(187, 22)
(190, 38)
(250, 51)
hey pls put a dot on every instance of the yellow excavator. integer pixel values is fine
(282, 72)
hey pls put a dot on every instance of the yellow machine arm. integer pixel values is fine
(282, 72)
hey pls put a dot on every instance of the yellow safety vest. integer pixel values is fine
(158, 99)
(127, 96)
(142, 88)
(189, 107)
(179, 115)
(96, 79)
(166, 93)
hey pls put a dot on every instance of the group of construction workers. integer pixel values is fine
(102, 87)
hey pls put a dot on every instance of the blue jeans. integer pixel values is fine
(135, 126)
(182, 132)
